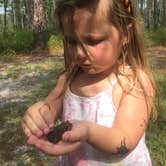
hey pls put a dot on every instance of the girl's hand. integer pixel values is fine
(38, 119)
(57, 149)
(79, 131)
(71, 140)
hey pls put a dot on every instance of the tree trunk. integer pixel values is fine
(164, 13)
(136, 3)
(155, 9)
(53, 15)
(5, 17)
(13, 22)
(28, 13)
(49, 6)
(149, 14)
(141, 7)
(17, 8)
(39, 24)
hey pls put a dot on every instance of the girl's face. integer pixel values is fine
(100, 39)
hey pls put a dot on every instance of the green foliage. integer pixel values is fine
(21, 40)
(155, 37)
(54, 44)
(8, 55)
(55, 41)
(148, 42)
(17, 41)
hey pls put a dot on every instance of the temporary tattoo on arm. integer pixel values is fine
(122, 150)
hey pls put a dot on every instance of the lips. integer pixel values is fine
(85, 65)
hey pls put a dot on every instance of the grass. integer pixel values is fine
(16, 69)
(156, 132)
(14, 149)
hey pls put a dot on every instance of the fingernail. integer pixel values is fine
(39, 133)
(30, 141)
(46, 130)
(66, 136)
(51, 125)
(29, 134)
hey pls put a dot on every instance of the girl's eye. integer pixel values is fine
(94, 42)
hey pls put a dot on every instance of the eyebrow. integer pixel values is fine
(89, 36)
(94, 35)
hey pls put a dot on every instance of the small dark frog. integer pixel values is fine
(55, 135)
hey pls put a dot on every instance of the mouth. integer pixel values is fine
(85, 65)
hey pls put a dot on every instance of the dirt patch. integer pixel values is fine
(157, 57)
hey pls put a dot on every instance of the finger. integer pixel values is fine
(47, 115)
(39, 121)
(70, 136)
(26, 130)
(32, 126)
(56, 149)
(37, 105)
(32, 140)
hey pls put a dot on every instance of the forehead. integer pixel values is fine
(85, 22)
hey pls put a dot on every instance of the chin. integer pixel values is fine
(91, 71)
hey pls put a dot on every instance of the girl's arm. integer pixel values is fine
(41, 116)
(129, 126)
(54, 99)
(133, 113)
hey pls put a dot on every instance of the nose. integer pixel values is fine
(80, 52)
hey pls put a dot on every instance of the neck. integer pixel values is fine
(98, 76)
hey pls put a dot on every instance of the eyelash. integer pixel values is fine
(94, 42)
(89, 42)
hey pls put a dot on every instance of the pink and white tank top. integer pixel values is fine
(101, 110)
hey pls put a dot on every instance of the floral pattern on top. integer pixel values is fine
(101, 110)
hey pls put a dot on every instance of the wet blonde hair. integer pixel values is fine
(123, 15)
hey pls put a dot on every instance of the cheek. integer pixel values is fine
(103, 53)
(100, 50)
(106, 54)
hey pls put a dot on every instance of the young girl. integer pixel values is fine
(106, 90)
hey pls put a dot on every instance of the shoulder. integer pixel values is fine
(145, 82)
(62, 78)
(136, 84)
(133, 111)
(136, 81)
